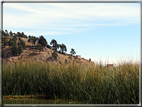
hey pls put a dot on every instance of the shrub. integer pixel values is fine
(55, 55)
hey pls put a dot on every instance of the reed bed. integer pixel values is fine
(93, 84)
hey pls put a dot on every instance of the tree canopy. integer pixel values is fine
(5, 41)
(54, 44)
(39, 47)
(72, 51)
(42, 41)
(55, 55)
(63, 48)
(22, 45)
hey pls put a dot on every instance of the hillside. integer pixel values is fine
(32, 54)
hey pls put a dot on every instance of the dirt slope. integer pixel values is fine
(45, 55)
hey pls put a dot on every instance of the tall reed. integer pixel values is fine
(93, 84)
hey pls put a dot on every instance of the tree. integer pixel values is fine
(63, 48)
(19, 34)
(22, 34)
(55, 55)
(54, 43)
(11, 42)
(5, 41)
(72, 51)
(89, 59)
(11, 34)
(20, 39)
(39, 47)
(19, 49)
(2, 32)
(48, 46)
(6, 32)
(29, 39)
(34, 39)
(42, 41)
(15, 35)
(3, 55)
(14, 39)
(14, 50)
(23, 44)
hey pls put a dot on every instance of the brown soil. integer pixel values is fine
(34, 54)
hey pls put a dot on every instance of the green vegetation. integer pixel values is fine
(72, 52)
(55, 55)
(42, 41)
(33, 39)
(54, 44)
(39, 47)
(94, 84)
(5, 41)
(16, 37)
(11, 42)
(63, 48)
(22, 43)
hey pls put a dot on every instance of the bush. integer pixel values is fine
(55, 55)
(19, 49)
(70, 57)
(14, 50)
(39, 47)
(66, 61)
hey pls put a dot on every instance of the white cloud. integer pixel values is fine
(66, 18)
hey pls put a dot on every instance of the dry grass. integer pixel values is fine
(30, 54)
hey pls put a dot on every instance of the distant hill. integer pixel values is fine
(32, 53)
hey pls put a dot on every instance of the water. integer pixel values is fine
(39, 101)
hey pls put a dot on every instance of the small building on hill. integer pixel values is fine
(110, 65)
(78, 56)
(33, 47)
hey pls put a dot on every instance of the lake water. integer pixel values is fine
(39, 101)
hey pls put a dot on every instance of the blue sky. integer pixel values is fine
(106, 32)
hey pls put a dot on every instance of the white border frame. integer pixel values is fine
(66, 1)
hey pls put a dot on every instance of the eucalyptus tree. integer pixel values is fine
(11, 34)
(72, 51)
(7, 32)
(42, 41)
(54, 44)
(34, 39)
(63, 48)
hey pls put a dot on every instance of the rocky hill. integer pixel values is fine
(31, 53)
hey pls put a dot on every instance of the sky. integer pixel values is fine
(104, 32)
